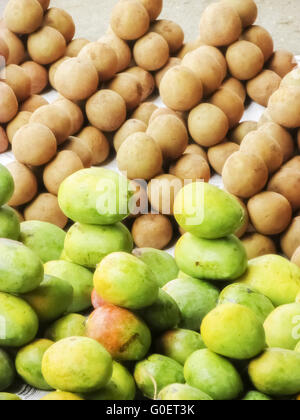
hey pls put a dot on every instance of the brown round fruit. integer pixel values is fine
(151, 52)
(208, 125)
(144, 112)
(153, 7)
(97, 142)
(282, 62)
(146, 80)
(60, 20)
(162, 191)
(38, 76)
(264, 146)
(75, 46)
(220, 25)
(218, 155)
(34, 145)
(230, 104)
(191, 168)
(240, 132)
(173, 61)
(120, 48)
(8, 103)
(246, 9)
(23, 16)
(270, 213)
(152, 231)
(236, 86)
(245, 174)
(287, 183)
(140, 157)
(257, 245)
(170, 134)
(103, 58)
(16, 50)
(45, 208)
(127, 129)
(54, 118)
(290, 241)
(26, 186)
(21, 119)
(284, 106)
(245, 60)
(106, 110)
(46, 46)
(81, 149)
(282, 136)
(262, 87)
(76, 79)
(19, 81)
(172, 33)
(129, 87)
(260, 37)
(194, 149)
(180, 89)
(33, 103)
(74, 112)
(130, 20)
(65, 164)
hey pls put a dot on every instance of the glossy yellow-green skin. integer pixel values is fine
(72, 325)
(208, 259)
(9, 397)
(213, 375)
(7, 371)
(195, 299)
(274, 277)
(157, 369)
(207, 211)
(80, 278)
(256, 396)
(121, 387)
(124, 280)
(21, 270)
(282, 327)
(180, 392)
(19, 323)
(276, 372)
(87, 245)
(29, 364)
(9, 223)
(77, 364)
(179, 344)
(61, 396)
(45, 239)
(95, 196)
(233, 331)
(246, 296)
(6, 185)
(51, 299)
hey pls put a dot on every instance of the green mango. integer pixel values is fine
(29, 364)
(207, 211)
(124, 280)
(121, 387)
(78, 277)
(214, 375)
(163, 314)
(275, 277)
(195, 299)
(180, 392)
(45, 239)
(7, 185)
(72, 325)
(87, 245)
(161, 263)
(233, 331)
(9, 397)
(276, 372)
(256, 396)
(7, 371)
(155, 373)
(61, 396)
(101, 197)
(51, 299)
(21, 270)
(77, 364)
(18, 322)
(282, 327)
(9, 223)
(220, 259)
(179, 344)
(246, 296)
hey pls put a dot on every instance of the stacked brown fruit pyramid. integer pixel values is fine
(104, 87)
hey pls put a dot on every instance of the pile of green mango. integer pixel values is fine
(205, 325)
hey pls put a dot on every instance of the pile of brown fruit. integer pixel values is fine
(104, 87)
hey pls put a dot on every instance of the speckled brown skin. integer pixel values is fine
(123, 335)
